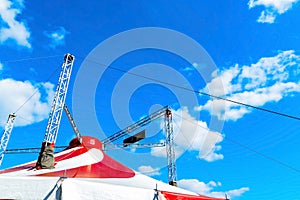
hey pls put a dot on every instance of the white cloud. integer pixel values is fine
(272, 8)
(15, 93)
(236, 192)
(268, 80)
(187, 69)
(280, 6)
(208, 188)
(192, 135)
(196, 65)
(13, 29)
(57, 37)
(266, 17)
(148, 170)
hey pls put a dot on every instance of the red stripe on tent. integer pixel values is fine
(106, 168)
(179, 196)
(14, 169)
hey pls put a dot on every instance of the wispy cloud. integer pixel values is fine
(208, 188)
(16, 93)
(192, 67)
(268, 80)
(57, 37)
(148, 170)
(12, 28)
(187, 69)
(272, 9)
(193, 135)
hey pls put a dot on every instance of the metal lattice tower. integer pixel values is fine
(142, 122)
(165, 111)
(172, 176)
(72, 122)
(6, 134)
(59, 100)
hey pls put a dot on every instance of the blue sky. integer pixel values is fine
(253, 56)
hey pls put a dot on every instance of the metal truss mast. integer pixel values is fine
(59, 100)
(165, 111)
(170, 148)
(46, 157)
(6, 135)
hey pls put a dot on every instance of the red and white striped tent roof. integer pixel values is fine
(84, 171)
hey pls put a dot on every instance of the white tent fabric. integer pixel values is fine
(52, 188)
(91, 175)
(83, 189)
(27, 187)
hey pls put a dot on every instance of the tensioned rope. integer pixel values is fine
(187, 89)
(32, 59)
(245, 147)
(29, 59)
(155, 80)
(36, 90)
(198, 92)
(221, 98)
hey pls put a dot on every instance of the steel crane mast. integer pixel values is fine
(142, 122)
(46, 158)
(72, 122)
(6, 135)
(59, 100)
(165, 111)
(170, 148)
(109, 147)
